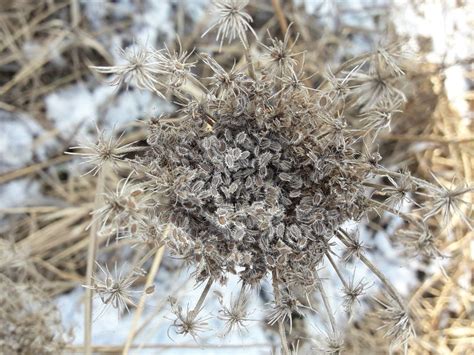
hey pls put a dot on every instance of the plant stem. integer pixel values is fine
(420, 182)
(334, 266)
(138, 312)
(351, 62)
(144, 259)
(377, 187)
(281, 325)
(251, 68)
(281, 17)
(342, 235)
(393, 211)
(203, 296)
(327, 305)
(91, 257)
(248, 58)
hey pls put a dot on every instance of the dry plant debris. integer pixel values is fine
(28, 323)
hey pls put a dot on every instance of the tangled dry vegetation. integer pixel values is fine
(30, 324)
(256, 174)
(442, 304)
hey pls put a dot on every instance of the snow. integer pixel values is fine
(20, 192)
(134, 104)
(17, 143)
(72, 108)
(17, 136)
(109, 329)
(448, 26)
(456, 89)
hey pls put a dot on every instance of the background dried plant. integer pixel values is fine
(29, 324)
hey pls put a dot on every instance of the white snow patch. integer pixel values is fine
(19, 193)
(72, 109)
(17, 135)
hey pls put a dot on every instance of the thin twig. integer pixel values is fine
(281, 325)
(338, 272)
(141, 305)
(91, 257)
(248, 58)
(12, 175)
(343, 237)
(327, 305)
(203, 296)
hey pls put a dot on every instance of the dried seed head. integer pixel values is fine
(354, 249)
(379, 117)
(333, 343)
(283, 310)
(224, 83)
(236, 315)
(353, 292)
(400, 190)
(174, 65)
(187, 322)
(233, 21)
(257, 175)
(150, 231)
(114, 289)
(123, 210)
(108, 151)
(448, 202)
(397, 323)
(419, 241)
(372, 88)
(340, 88)
(140, 68)
(387, 59)
(279, 55)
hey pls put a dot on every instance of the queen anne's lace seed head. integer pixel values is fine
(419, 241)
(114, 289)
(107, 150)
(396, 322)
(139, 68)
(258, 174)
(187, 321)
(236, 315)
(233, 21)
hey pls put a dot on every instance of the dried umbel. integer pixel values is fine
(114, 289)
(257, 174)
(263, 190)
(28, 323)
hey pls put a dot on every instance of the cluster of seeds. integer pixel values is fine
(263, 188)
